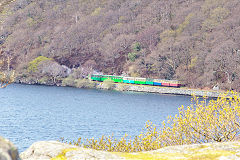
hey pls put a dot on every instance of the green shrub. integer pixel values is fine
(219, 14)
(132, 56)
(121, 87)
(96, 11)
(6, 78)
(69, 81)
(79, 83)
(216, 17)
(44, 80)
(174, 33)
(32, 66)
(136, 47)
(108, 84)
(208, 5)
(84, 83)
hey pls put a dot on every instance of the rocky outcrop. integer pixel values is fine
(53, 150)
(7, 150)
(208, 151)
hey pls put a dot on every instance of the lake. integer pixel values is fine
(30, 113)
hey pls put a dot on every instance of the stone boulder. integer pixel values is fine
(53, 150)
(7, 150)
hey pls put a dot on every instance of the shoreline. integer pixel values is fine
(163, 90)
(184, 91)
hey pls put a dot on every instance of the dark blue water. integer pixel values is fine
(35, 113)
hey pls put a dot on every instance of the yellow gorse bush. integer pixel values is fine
(215, 121)
(203, 121)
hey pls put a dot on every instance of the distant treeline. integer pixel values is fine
(195, 41)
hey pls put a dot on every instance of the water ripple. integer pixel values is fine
(33, 113)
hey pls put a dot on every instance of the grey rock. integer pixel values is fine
(216, 87)
(45, 150)
(7, 150)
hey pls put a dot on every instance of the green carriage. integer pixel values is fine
(149, 81)
(117, 79)
(95, 77)
(129, 80)
(106, 77)
(139, 80)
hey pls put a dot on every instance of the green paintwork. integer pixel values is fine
(149, 81)
(140, 82)
(96, 77)
(105, 77)
(117, 79)
(128, 81)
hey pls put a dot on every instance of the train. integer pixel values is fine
(137, 80)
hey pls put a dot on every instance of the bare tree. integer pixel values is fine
(7, 76)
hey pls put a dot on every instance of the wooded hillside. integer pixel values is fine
(197, 41)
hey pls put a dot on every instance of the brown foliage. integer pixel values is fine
(195, 41)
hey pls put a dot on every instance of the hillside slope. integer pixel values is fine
(196, 41)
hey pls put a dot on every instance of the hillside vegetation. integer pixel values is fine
(196, 41)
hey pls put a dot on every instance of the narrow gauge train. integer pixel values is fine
(137, 80)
